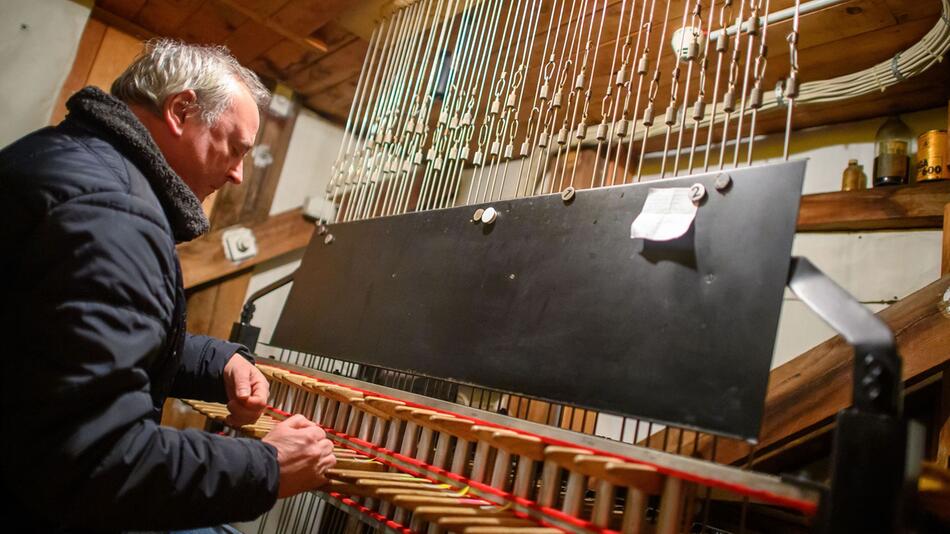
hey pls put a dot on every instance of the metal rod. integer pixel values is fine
(785, 14)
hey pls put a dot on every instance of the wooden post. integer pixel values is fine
(945, 264)
(943, 432)
(943, 413)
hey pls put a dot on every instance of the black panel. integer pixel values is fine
(555, 300)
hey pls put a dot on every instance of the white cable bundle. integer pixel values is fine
(911, 62)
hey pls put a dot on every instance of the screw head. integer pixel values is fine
(723, 181)
(328, 239)
(697, 192)
(567, 194)
(477, 216)
(489, 215)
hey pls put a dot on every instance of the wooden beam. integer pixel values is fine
(810, 390)
(945, 252)
(203, 260)
(122, 24)
(312, 43)
(881, 208)
(943, 414)
(942, 456)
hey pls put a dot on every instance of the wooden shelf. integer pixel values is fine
(882, 208)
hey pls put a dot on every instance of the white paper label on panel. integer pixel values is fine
(667, 214)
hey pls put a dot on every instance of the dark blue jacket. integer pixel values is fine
(93, 310)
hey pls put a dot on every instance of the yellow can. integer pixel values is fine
(932, 161)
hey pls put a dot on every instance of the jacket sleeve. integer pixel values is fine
(90, 456)
(201, 374)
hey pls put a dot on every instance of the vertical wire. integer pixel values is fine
(478, 156)
(641, 69)
(671, 110)
(516, 84)
(378, 178)
(791, 85)
(722, 46)
(359, 96)
(448, 112)
(428, 100)
(366, 161)
(751, 29)
(468, 105)
(618, 79)
(544, 73)
(524, 68)
(697, 14)
(729, 98)
(654, 89)
(757, 87)
(581, 128)
(407, 136)
(699, 109)
(395, 131)
(528, 145)
(364, 134)
(505, 82)
(488, 122)
(563, 136)
(554, 106)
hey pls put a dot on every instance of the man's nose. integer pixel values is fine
(236, 174)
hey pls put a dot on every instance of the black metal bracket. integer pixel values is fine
(867, 491)
(877, 370)
(242, 331)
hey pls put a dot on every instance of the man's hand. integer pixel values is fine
(247, 391)
(303, 452)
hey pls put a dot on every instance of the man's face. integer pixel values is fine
(209, 156)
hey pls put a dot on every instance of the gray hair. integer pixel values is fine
(167, 67)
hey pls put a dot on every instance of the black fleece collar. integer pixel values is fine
(114, 119)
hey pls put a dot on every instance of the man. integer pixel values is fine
(94, 310)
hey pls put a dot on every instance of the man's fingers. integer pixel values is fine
(327, 458)
(240, 414)
(242, 384)
(260, 388)
(298, 421)
(237, 406)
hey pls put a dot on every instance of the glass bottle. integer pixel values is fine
(852, 179)
(892, 149)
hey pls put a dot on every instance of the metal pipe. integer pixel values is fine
(783, 15)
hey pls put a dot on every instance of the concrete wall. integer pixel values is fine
(38, 43)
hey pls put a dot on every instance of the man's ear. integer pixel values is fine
(177, 109)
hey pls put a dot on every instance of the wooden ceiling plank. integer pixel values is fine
(166, 17)
(334, 102)
(121, 24)
(250, 40)
(211, 24)
(904, 10)
(303, 17)
(344, 64)
(264, 8)
(127, 9)
(307, 42)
